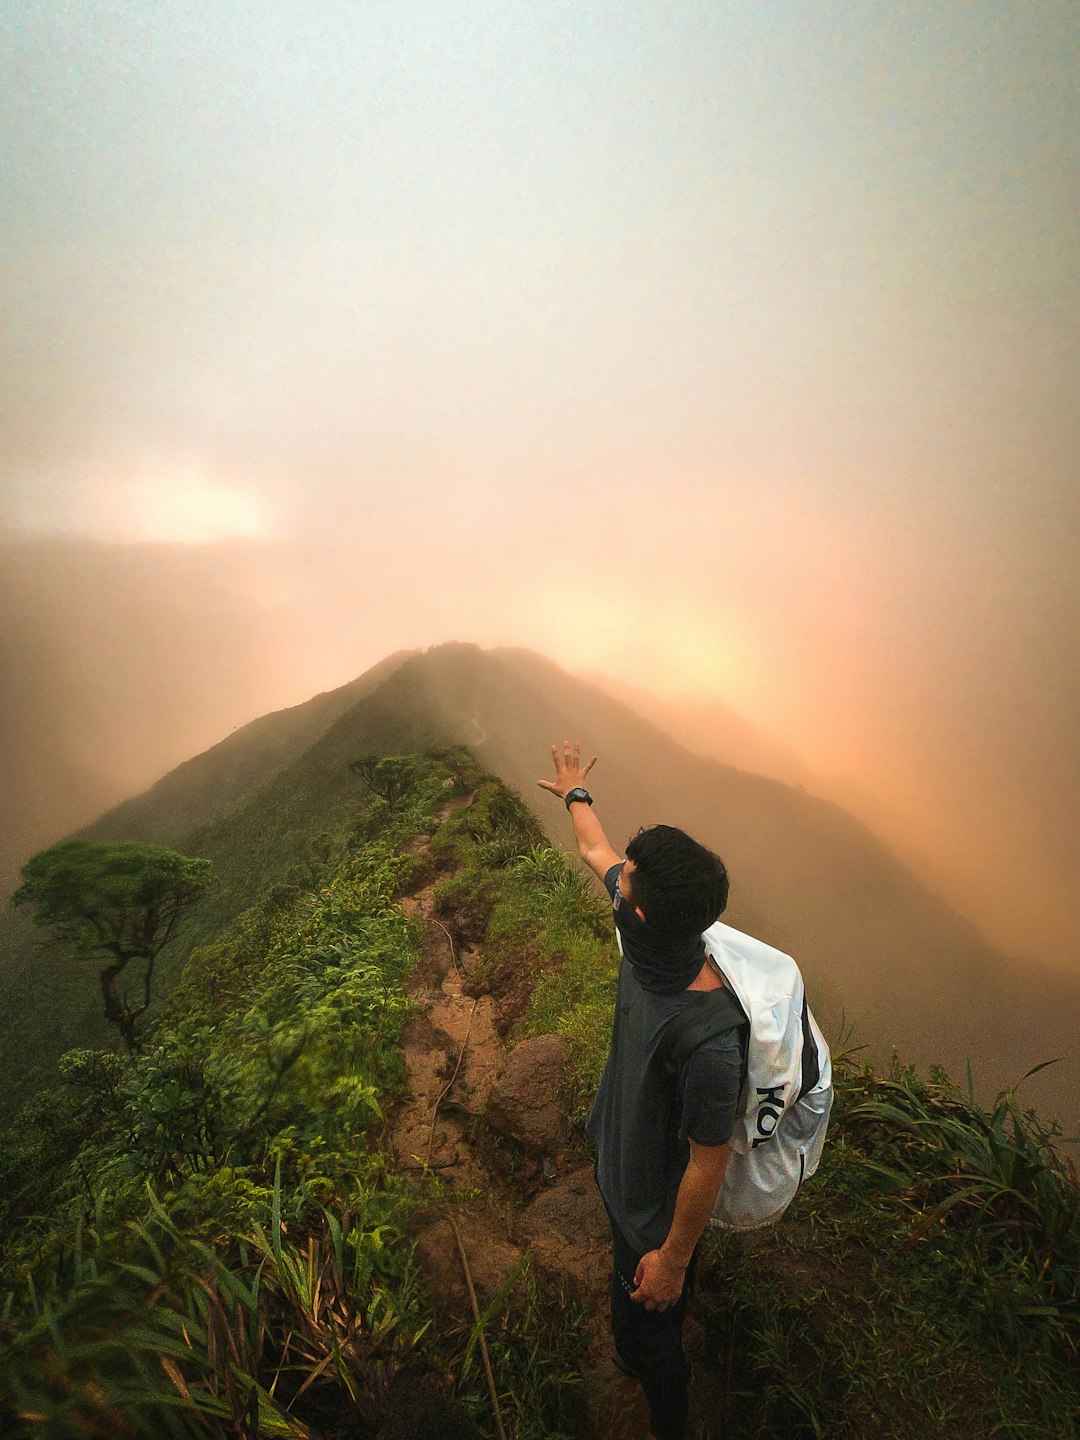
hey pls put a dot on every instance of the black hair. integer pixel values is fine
(681, 886)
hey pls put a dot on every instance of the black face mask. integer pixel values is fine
(661, 963)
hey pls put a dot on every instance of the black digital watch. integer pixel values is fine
(578, 793)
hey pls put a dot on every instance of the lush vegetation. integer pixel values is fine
(223, 1243)
(546, 934)
(225, 1239)
(117, 903)
(926, 1283)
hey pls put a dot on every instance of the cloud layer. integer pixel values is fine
(729, 350)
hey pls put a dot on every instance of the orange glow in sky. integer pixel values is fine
(729, 350)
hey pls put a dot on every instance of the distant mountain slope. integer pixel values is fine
(712, 729)
(874, 944)
(94, 633)
(210, 784)
(39, 978)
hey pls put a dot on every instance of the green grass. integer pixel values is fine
(209, 1228)
(534, 1337)
(923, 1284)
(884, 1306)
(211, 1225)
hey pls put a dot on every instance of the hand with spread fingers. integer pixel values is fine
(569, 771)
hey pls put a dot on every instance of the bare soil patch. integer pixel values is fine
(520, 1203)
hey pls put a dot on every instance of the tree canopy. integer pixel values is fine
(389, 777)
(120, 901)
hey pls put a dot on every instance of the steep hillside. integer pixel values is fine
(94, 633)
(224, 776)
(706, 727)
(38, 979)
(877, 948)
(343, 1190)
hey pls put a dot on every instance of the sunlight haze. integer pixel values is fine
(728, 351)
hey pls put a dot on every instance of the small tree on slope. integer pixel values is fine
(389, 778)
(120, 902)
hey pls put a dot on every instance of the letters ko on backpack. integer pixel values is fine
(787, 1093)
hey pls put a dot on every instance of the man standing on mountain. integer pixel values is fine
(660, 1133)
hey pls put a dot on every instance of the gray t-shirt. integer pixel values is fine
(644, 1116)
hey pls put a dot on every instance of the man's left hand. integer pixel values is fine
(658, 1283)
(569, 771)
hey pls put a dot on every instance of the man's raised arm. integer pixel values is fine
(592, 843)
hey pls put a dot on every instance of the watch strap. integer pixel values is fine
(578, 793)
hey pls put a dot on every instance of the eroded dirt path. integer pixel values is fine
(454, 1056)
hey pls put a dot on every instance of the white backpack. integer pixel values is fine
(787, 1094)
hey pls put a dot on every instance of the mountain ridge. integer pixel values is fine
(806, 876)
(711, 729)
(229, 772)
(287, 1114)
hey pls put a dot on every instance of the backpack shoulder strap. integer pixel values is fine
(811, 1063)
(715, 1015)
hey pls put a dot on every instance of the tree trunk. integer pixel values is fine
(115, 1009)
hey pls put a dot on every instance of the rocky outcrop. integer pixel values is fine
(464, 1092)
(524, 1100)
(490, 1259)
(569, 1234)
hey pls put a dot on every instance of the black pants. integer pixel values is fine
(650, 1341)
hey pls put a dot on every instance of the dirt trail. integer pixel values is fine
(454, 1054)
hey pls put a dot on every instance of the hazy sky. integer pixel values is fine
(728, 348)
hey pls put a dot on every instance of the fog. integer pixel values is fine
(729, 351)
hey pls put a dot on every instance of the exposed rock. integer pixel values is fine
(490, 1257)
(569, 1234)
(463, 1019)
(524, 1100)
(435, 1050)
(456, 1032)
